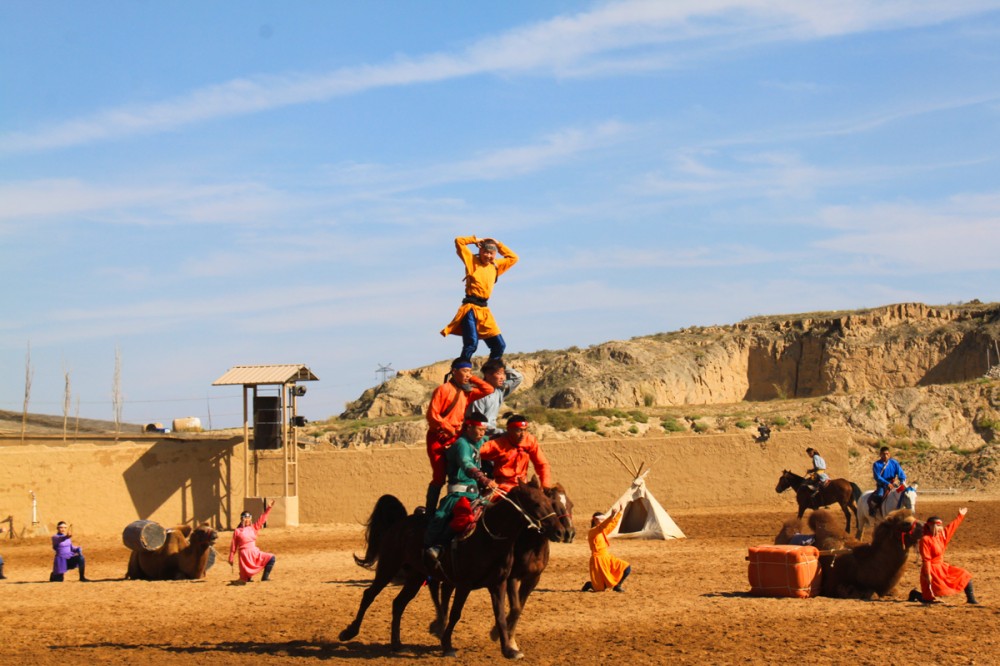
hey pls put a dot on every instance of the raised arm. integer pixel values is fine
(509, 258)
(263, 517)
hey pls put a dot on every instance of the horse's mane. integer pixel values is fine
(387, 512)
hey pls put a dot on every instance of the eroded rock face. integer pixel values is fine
(403, 395)
(884, 349)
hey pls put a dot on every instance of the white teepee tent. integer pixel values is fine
(643, 517)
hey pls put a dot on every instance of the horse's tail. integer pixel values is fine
(387, 512)
(855, 492)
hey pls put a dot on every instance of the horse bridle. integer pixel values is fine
(531, 521)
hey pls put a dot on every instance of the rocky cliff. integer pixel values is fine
(760, 359)
(921, 379)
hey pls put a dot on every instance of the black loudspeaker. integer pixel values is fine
(266, 423)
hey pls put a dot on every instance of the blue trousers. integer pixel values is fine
(470, 339)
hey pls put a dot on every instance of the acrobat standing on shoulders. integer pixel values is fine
(474, 319)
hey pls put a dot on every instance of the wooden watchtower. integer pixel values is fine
(270, 454)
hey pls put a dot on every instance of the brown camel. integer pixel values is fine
(186, 554)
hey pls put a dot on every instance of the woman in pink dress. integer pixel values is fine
(252, 559)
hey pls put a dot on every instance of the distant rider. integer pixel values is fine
(817, 476)
(888, 474)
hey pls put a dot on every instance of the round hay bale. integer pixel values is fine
(143, 535)
(187, 424)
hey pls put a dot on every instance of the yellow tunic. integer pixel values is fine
(606, 570)
(479, 281)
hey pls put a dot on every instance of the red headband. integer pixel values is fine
(517, 424)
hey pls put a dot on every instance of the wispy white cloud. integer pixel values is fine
(503, 163)
(959, 234)
(638, 33)
(378, 186)
(120, 203)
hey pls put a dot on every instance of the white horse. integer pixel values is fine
(901, 497)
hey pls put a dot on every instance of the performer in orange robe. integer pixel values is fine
(937, 578)
(474, 319)
(252, 559)
(512, 451)
(606, 570)
(445, 415)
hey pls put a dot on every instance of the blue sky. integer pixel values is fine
(202, 185)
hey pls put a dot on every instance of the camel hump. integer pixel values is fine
(143, 535)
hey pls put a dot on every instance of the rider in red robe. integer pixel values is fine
(512, 451)
(445, 415)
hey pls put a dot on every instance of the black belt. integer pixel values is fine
(475, 300)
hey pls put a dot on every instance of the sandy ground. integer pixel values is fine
(687, 602)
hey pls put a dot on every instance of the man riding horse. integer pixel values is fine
(455, 512)
(512, 451)
(888, 473)
(816, 476)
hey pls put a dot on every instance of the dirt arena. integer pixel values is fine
(686, 602)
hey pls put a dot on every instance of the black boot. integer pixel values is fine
(915, 596)
(431, 501)
(55, 577)
(267, 569)
(2, 577)
(970, 595)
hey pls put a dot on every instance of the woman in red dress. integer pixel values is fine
(252, 559)
(937, 578)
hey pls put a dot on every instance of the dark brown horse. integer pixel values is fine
(395, 548)
(837, 491)
(531, 556)
(874, 568)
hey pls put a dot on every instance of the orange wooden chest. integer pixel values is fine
(784, 571)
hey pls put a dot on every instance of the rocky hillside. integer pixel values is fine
(921, 378)
(760, 359)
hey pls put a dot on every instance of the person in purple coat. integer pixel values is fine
(67, 556)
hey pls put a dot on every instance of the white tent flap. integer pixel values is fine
(642, 516)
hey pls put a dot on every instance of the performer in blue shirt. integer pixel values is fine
(886, 472)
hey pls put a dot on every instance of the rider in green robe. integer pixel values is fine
(464, 478)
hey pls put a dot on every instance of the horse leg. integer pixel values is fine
(461, 594)
(512, 596)
(498, 594)
(373, 590)
(441, 595)
(410, 589)
(847, 514)
(518, 598)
